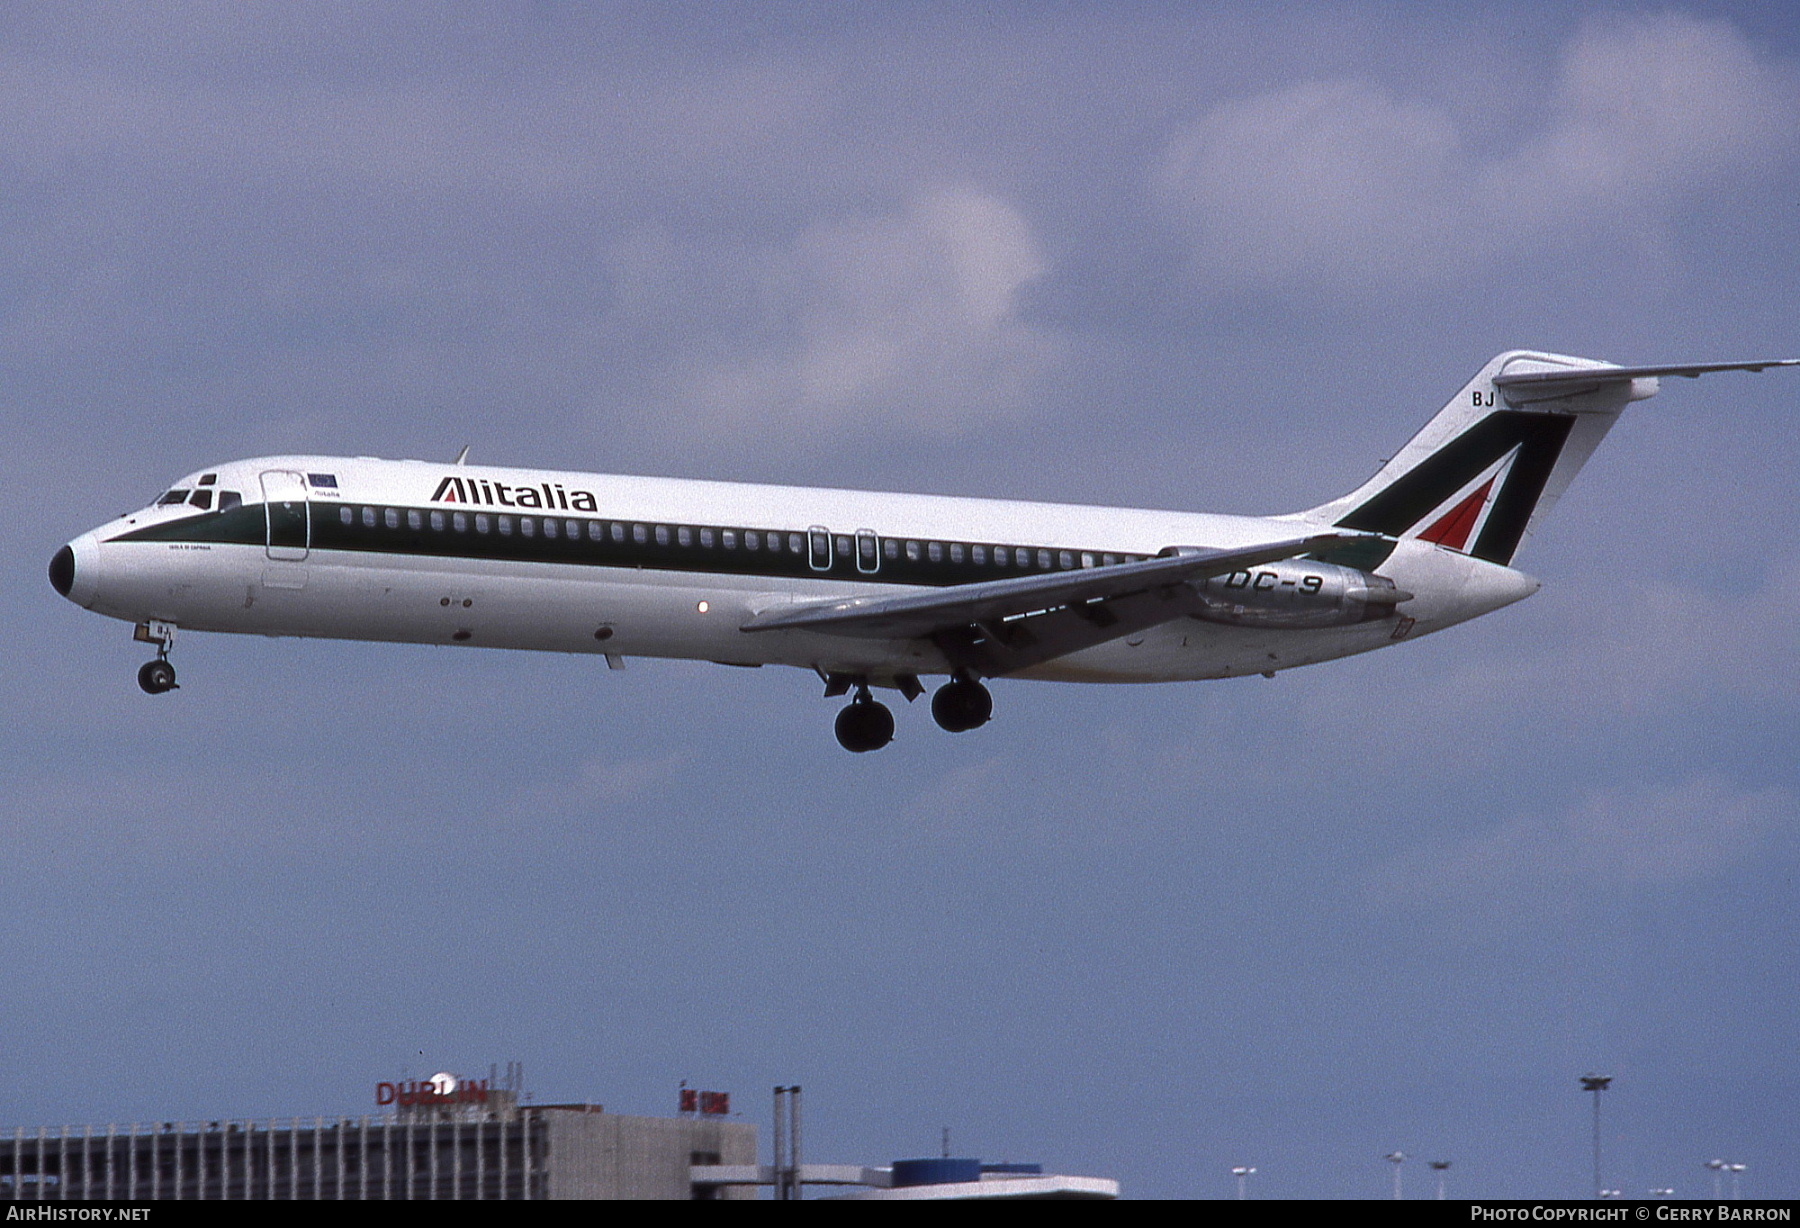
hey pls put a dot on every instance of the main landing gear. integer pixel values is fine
(960, 705)
(156, 676)
(865, 725)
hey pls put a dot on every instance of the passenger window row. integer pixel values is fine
(863, 550)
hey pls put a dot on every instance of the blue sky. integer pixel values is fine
(1135, 255)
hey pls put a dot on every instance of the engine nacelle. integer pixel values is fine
(1297, 593)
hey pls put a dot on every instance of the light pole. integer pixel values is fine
(1440, 1167)
(787, 1143)
(1396, 1158)
(1242, 1172)
(1596, 1084)
(1734, 1170)
(1718, 1167)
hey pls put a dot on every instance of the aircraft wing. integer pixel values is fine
(1001, 626)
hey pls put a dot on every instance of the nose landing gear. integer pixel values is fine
(156, 676)
(865, 725)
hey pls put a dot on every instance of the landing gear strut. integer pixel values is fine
(961, 704)
(865, 725)
(157, 676)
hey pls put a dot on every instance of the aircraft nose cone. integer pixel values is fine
(75, 571)
(62, 570)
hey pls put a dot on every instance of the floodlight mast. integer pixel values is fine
(778, 1137)
(787, 1143)
(1440, 1167)
(1396, 1158)
(1596, 1084)
(1242, 1172)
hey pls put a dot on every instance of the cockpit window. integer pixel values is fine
(207, 479)
(173, 496)
(229, 499)
(201, 499)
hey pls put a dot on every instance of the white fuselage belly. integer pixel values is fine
(669, 612)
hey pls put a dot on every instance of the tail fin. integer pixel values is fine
(1492, 463)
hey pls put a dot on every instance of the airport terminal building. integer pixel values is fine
(448, 1138)
(549, 1152)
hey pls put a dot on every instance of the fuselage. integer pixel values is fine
(370, 549)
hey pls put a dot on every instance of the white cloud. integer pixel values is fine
(1675, 642)
(911, 318)
(1611, 841)
(1645, 646)
(1322, 179)
(1644, 658)
(1342, 183)
(600, 786)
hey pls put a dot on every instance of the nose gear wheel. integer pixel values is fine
(157, 677)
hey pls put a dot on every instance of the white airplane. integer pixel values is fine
(867, 590)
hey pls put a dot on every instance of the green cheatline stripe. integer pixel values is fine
(246, 526)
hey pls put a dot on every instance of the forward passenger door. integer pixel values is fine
(289, 526)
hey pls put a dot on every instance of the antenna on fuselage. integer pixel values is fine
(463, 456)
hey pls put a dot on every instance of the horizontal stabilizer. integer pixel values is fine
(1567, 380)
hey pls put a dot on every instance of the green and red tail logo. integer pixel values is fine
(1476, 494)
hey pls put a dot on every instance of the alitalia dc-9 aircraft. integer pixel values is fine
(867, 590)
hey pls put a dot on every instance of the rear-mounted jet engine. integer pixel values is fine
(1297, 594)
